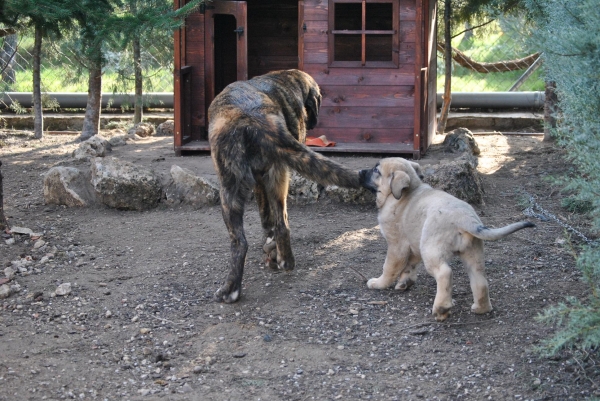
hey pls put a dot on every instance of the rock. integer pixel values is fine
(142, 130)
(186, 388)
(4, 291)
(459, 178)
(9, 241)
(67, 186)
(38, 244)
(117, 141)
(456, 174)
(302, 190)
(349, 195)
(63, 289)
(192, 189)
(96, 146)
(21, 230)
(461, 140)
(165, 129)
(9, 272)
(122, 185)
(108, 314)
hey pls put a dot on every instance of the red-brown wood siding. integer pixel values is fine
(368, 105)
(194, 56)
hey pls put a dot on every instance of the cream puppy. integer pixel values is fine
(420, 223)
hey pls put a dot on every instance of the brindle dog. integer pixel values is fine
(256, 131)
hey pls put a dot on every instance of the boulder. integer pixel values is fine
(165, 129)
(96, 146)
(456, 173)
(302, 190)
(142, 130)
(457, 177)
(349, 195)
(67, 186)
(122, 185)
(191, 189)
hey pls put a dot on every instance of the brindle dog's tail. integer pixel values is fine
(314, 166)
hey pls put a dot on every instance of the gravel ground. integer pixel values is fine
(139, 322)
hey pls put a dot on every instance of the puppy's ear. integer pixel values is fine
(312, 104)
(417, 169)
(400, 180)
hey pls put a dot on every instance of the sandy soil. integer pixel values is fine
(140, 322)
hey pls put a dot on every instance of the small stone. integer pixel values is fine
(63, 289)
(186, 388)
(144, 330)
(353, 312)
(143, 391)
(239, 355)
(9, 272)
(4, 291)
(267, 338)
(108, 314)
(135, 318)
(21, 230)
(38, 244)
(340, 347)
(9, 241)
(330, 372)
(199, 369)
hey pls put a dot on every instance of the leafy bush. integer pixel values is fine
(569, 36)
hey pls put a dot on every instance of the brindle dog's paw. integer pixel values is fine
(270, 249)
(286, 264)
(227, 294)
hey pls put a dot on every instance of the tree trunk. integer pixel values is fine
(38, 121)
(137, 65)
(3, 221)
(448, 67)
(91, 122)
(550, 109)
(7, 59)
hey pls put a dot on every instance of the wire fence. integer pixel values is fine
(487, 58)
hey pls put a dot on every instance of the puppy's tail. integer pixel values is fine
(316, 167)
(492, 234)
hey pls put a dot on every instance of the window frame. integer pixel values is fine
(363, 63)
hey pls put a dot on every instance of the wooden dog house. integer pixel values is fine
(375, 61)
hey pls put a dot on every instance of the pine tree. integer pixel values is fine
(568, 35)
(48, 18)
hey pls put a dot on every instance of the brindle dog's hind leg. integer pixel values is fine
(276, 185)
(232, 206)
(267, 220)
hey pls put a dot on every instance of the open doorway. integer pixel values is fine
(225, 51)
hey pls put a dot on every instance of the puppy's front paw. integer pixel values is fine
(375, 284)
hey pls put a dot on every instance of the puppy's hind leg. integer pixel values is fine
(408, 277)
(277, 182)
(473, 260)
(232, 206)
(441, 271)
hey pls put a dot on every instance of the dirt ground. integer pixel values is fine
(140, 322)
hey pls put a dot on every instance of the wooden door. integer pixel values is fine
(220, 17)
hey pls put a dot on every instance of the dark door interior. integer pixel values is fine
(225, 51)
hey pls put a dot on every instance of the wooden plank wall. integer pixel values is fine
(362, 104)
(272, 36)
(194, 56)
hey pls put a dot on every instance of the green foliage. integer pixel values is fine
(569, 36)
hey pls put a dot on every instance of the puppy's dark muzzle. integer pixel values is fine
(364, 179)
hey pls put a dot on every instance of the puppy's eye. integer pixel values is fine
(376, 170)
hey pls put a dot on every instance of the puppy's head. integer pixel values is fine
(391, 176)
